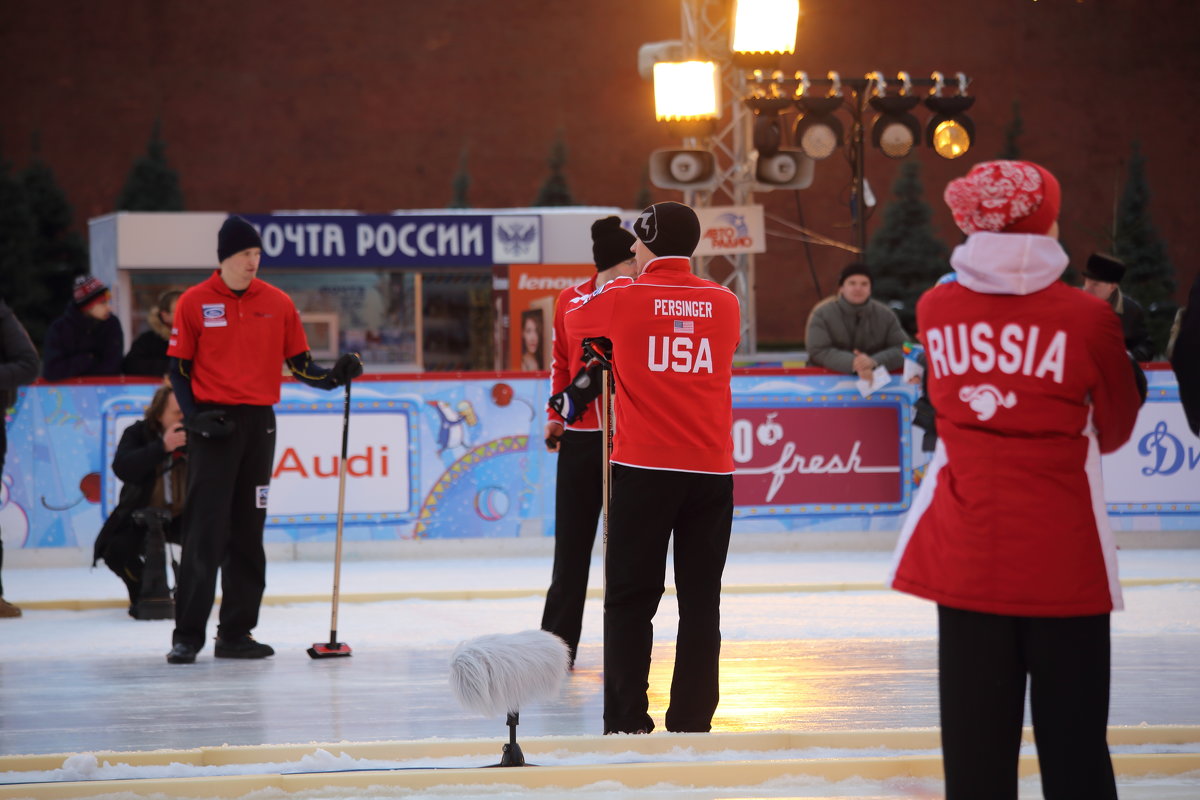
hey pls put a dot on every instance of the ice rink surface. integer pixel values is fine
(801, 653)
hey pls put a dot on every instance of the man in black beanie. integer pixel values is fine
(671, 338)
(230, 335)
(1101, 278)
(573, 431)
(852, 333)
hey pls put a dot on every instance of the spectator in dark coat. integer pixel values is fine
(18, 366)
(1185, 358)
(151, 463)
(86, 339)
(1101, 277)
(148, 354)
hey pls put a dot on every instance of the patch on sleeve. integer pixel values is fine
(260, 496)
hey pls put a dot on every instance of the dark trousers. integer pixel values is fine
(983, 661)
(223, 527)
(578, 500)
(646, 506)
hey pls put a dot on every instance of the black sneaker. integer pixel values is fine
(181, 653)
(242, 647)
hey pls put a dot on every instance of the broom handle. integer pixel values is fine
(606, 424)
(337, 550)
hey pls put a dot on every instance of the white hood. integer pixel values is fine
(1008, 263)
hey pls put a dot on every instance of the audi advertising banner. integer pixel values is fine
(461, 456)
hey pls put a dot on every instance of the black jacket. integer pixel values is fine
(1185, 359)
(18, 365)
(148, 353)
(78, 345)
(1133, 324)
(139, 460)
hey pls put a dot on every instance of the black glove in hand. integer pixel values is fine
(573, 400)
(598, 350)
(348, 367)
(211, 424)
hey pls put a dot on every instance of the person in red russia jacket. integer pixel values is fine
(1008, 533)
(230, 336)
(673, 336)
(573, 431)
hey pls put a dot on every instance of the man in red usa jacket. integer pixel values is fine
(673, 338)
(573, 431)
(1008, 533)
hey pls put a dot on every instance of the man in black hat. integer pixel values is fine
(852, 333)
(1101, 277)
(230, 336)
(573, 431)
(86, 339)
(672, 338)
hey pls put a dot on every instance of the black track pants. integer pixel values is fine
(578, 500)
(646, 506)
(983, 661)
(223, 526)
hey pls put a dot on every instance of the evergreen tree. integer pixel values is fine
(152, 184)
(461, 183)
(554, 191)
(59, 254)
(1149, 276)
(904, 255)
(1012, 151)
(645, 197)
(18, 233)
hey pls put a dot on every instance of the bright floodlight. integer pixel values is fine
(686, 90)
(950, 139)
(764, 26)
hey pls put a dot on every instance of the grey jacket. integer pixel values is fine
(836, 328)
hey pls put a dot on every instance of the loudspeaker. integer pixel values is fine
(684, 169)
(787, 169)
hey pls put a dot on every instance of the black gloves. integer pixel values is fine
(573, 400)
(348, 367)
(585, 387)
(212, 424)
(598, 349)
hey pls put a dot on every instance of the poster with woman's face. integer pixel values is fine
(531, 293)
(533, 336)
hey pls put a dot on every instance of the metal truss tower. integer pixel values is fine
(705, 37)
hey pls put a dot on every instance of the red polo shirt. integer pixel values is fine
(237, 345)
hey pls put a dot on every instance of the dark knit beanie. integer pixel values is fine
(87, 291)
(1103, 267)
(669, 229)
(856, 268)
(610, 243)
(235, 236)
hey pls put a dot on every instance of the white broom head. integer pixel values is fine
(501, 672)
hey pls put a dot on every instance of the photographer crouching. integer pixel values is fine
(152, 463)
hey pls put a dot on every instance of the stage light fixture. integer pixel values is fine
(950, 132)
(895, 131)
(763, 30)
(687, 91)
(768, 128)
(819, 133)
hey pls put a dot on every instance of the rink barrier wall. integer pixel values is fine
(454, 463)
(641, 775)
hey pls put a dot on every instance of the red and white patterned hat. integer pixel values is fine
(1004, 197)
